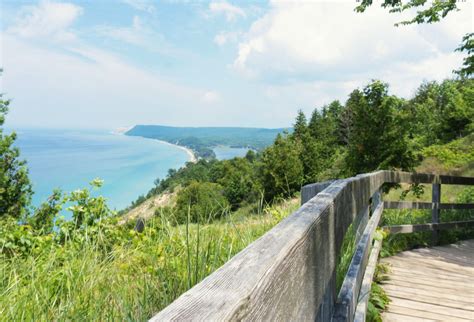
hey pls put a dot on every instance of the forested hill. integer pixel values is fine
(202, 139)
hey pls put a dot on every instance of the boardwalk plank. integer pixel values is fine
(431, 284)
(394, 317)
(414, 312)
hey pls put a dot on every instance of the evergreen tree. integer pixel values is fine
(378, 139)
(15, 186)
(300, 127)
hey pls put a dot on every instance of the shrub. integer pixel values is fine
(201, 202)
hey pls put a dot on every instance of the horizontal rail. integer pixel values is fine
(289, 272)
(364, 293)
(347, 299)
(407, 229)
(407, 177)
(425, 205)
(311, 190)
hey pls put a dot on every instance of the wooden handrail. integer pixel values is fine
(290, 272)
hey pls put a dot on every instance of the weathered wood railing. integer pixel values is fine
(290, 272)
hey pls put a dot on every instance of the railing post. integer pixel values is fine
(435, 199)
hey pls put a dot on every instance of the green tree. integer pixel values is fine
(323, 147)
(238, 179)
(440, 113)
(427, 14)
(203, 201)
(281, 168)
(378, 137)
(467, 46)
(300, 128)
(15, 186)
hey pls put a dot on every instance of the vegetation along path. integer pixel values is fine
(431, 284)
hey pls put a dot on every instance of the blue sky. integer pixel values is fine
(110, 64)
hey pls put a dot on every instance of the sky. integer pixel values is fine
(109, 64)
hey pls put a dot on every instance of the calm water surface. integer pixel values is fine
(70, 159)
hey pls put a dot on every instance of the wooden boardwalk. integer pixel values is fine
(431, 284)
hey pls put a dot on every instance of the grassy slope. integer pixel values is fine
(132, 280)
(454, 158)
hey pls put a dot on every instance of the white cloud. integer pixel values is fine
(210, 97)
(92, 88)
(138, 34)
(142, 5)
(225, 37)
(47, 19)
(312, 40)
(306, 54)
(230, 11)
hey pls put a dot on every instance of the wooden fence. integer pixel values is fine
(290, 272)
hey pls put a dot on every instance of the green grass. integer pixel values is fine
(133, 276)
(454, 158)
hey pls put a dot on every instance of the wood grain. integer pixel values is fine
(432, 283)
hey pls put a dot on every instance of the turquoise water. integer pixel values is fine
(225, 152)
(69, 160)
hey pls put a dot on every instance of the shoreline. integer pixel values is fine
(191, 155)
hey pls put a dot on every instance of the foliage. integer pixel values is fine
(453, 155)
(110, 272)
(91, 267)
(202, 139)
(378, 301)
(238, 178)
(281, 168)
(15, 186)
(201, 202)
(467, 45)
(378, 137)
(433, 13)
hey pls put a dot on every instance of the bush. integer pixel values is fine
(201, 202)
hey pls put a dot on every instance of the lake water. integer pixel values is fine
(225, 152)
(69, 160)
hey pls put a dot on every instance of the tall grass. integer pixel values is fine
(131, 279)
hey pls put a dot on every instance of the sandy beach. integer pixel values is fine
(191, 156)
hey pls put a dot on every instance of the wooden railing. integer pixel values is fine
(290, 272)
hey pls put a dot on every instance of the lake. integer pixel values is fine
(225, 152)
(69, 160)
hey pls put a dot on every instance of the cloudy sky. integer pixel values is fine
(108, 64)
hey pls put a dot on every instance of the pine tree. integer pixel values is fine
(300, 127)
(377, 138)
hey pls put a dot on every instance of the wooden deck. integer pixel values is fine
(432, 284)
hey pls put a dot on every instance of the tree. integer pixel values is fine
(281, 169)
(378, 137)
(238, 179)
(15, 186)
(433, 13)
(323, 147)
(202, 201)
(467, 45)
(300, 127)
(440, 113)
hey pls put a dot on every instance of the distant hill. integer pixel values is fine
(203, 139)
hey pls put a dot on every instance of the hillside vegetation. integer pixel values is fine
(92, 268)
